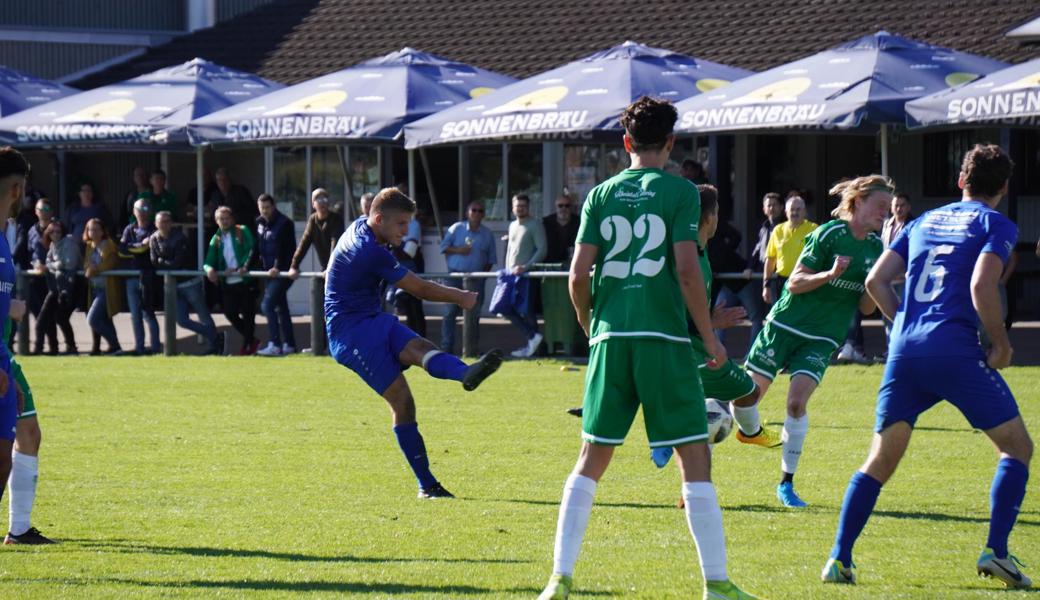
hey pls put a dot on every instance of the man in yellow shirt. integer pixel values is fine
(784, 248)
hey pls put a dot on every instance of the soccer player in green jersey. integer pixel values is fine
(814, 311)
(639, 230)
(25, 455)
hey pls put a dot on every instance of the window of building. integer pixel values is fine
(290, 181)
(485, 180)
(327, 172)
(942, 156)
(525, 174)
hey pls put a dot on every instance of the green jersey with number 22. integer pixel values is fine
(634, 218)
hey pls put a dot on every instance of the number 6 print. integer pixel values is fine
(617, 229)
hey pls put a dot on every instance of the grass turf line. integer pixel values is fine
(204, 477)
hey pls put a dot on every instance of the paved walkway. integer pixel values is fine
(1025, 336)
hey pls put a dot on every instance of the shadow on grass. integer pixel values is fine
(557, 503)
(352, 587)
(136, 548)
(924, 516)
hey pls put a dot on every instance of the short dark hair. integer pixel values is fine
(986, 169)
(391, 200)
(903, 195)
(689, 163)
(772, 196)
(12, 162)
(709, 201)
(159, 172)
(265, 197)
(522, 198)
(648, 122)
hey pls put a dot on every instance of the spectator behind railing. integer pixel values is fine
(322, 231)
(37, 255)
(276, 242)
(158, 197)
(168, 250)
(89, 207)
(468, 246)
(230, 253)
(101, 255)
(62, 261)
(140, 290)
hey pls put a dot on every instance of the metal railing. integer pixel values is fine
(319, 345)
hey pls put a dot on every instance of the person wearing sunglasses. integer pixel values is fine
(468, 246)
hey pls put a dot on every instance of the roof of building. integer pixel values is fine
(294, 40)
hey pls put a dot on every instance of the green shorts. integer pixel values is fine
(727, 384)
(778, 348)
(625, 374)
(22, 382)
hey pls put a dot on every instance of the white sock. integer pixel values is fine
(704, 517)
(24, 469)
(747, 418)
(575, 509)
(793, 439)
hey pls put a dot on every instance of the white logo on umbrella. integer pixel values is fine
(544, 99)
(320, 103)
(777, 92)
(109, 111)
(1029, 81)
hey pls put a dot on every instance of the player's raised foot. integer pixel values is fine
(576, 412)
(767, 438)
(482, 369)
(836, 572)
(558, 588)
(725, 590)
(32, 536)
(434, 492)
(1004, 569)
(661, 456)
(785, 493)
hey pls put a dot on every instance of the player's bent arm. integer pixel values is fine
(804, 280)
(425, 289)
(889, 269)
(691, 283)
(986, 298)
(579, 283)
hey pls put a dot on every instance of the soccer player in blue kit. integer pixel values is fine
(374, 344)
(13, 171)
(953, 257)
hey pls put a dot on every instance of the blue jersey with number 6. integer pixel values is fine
(940, 248)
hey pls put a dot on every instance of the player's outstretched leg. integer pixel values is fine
(796, 426)
(1006, 496)
(22, 483)
(406, 430)
(442, 365)
(749, 424)
(704, 519)
(482, 369)
(886, 451)
(575, 508)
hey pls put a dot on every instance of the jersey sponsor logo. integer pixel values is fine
(6, 287)
(631, 192)
(844, 284)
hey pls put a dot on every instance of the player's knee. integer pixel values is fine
(796, 406)
(28, 437)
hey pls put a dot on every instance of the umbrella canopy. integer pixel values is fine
(857, 85)
(581, 100)
(19, 91)
(1010, 96)
(150, 112)
(371, 101)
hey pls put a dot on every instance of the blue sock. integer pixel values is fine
(446, 366)
(860, 498)
(411, 443)
(1005, 499)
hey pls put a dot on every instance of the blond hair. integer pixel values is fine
(859, 188)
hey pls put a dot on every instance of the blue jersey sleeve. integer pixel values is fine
(901, 245)
(383, 264)
(1001, 234)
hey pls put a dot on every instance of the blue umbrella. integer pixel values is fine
(1007, 97)
(582, 99)
(857, 85)
(19, 91)
(371, 101)
(150, 112)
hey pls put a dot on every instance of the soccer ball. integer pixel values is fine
(720, 423)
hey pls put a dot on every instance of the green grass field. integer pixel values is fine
(197, 478)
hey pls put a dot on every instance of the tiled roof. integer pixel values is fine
(294, 40)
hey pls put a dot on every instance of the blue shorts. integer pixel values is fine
(913, 385)
(370, 348)
(8, 407)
